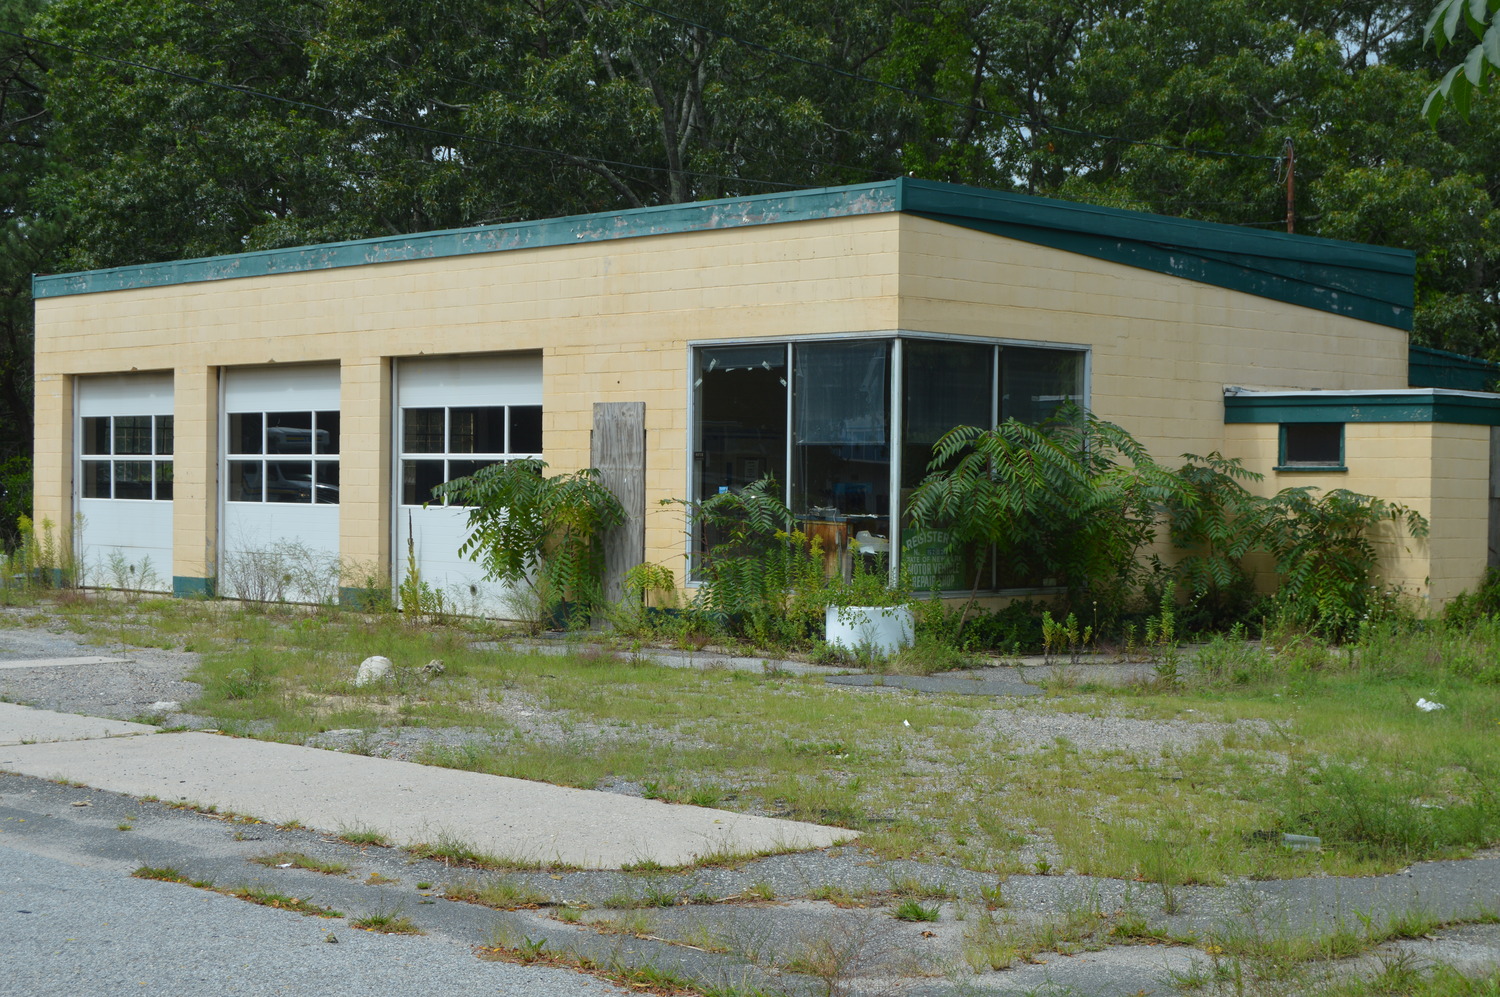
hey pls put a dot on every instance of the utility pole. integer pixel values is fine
(1291, 183)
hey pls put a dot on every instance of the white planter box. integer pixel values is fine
(876, 629)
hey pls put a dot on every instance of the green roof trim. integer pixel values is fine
(1372, 283)
(1410, 405)
(1430, 368)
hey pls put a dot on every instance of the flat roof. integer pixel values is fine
(1372, 283)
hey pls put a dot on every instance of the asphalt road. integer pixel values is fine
(74, 921)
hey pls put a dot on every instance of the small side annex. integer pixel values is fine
(198, 411)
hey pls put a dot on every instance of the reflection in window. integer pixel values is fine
(272, 435)
(816, 416)
(441, 444)
(147, 443)
(841, 463)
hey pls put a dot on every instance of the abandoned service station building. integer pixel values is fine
(191, 412)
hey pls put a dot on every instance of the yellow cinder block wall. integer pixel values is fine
(614, 320)
(611, 319)
(1439, 469)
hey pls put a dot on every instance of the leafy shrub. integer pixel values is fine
(544, 533)
(1468, 608)
(1074, 499)
(761, 575)
(1326, 556)
(1214, 521)
(15, 499)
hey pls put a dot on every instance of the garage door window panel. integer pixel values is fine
(442, 444)
(147, 443)
(280, 434)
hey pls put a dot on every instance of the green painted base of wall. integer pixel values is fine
(364, 599)
(194, 588)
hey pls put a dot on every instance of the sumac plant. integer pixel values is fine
(1073, 501)
(529, 529)
(758, 571)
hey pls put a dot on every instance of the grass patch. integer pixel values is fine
(300, 860)
(453, 852)
(502, 894)
(364, 836)
(165, 874)
(392, 923)
(1289, 736)
(913, 910)
(280, 901)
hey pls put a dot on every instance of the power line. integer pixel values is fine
(1019, 120)
(573, 158)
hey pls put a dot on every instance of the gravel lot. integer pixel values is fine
(196, 944)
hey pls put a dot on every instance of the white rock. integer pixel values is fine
(373, 669)
(166, 706)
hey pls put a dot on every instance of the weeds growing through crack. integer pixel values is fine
(913, 910)
(387, 923)
(502, 894)
(301, 860)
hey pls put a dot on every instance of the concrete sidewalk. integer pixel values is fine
(512, 819)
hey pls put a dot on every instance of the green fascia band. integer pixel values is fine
(829, 202)
(1372, 407)
(1372, 283)
(1430, 368)
(184, 587)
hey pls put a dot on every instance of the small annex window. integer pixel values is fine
(1311, 446)
(439, 444)
(288, 457)
(127, 457)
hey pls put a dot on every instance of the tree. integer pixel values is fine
(1482, 19)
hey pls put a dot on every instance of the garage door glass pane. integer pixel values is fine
(164, 434)
(476, 430)
(133, 479)
(289, 481)
(422, 430)
(328, 433)
(525, 429)
(327, 490)
(289, 432)
(244, 432)
(95, 482)
(96, 435)
(418, 479)
(164, 480)
(132, 434)
(244, 481)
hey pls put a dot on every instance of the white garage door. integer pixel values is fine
(124, 476)
(454, 416)
(279, 483)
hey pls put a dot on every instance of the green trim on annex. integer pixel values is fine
(1435, 405)
(1430, 368)
(1371, 283)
